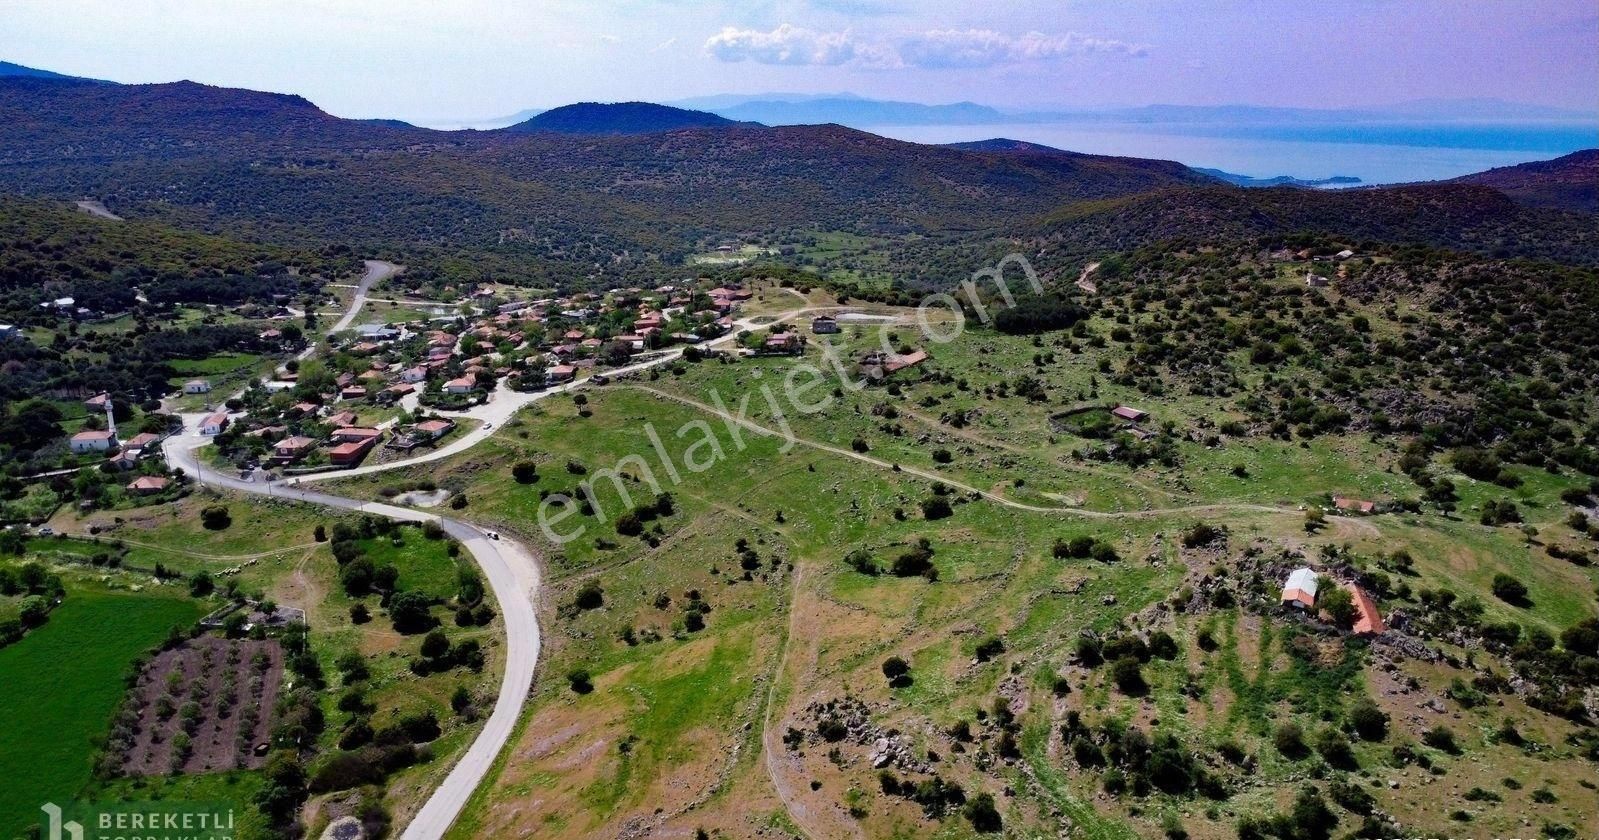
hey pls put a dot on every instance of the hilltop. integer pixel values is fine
(1570, 182)
(618, 118)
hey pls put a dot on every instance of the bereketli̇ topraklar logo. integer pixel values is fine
(138, 821)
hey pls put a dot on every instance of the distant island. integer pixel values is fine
(1280, 180)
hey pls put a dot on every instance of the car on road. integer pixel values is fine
(487, 426)
(599, 379)
(491, 535)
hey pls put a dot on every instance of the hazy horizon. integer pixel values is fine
(482, 59)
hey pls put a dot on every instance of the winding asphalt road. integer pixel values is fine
(513, 577)
(508, 566)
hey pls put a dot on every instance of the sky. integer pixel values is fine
(439, 60)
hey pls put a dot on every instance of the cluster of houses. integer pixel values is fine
(1300, 591)
(121, 455)
(539, 343)
(310, 432)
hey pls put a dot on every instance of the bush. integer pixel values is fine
(215, 518)
(1369, 722)
(1289, 740)
(895, 667)
(1441, 738)
(579, 680)
(410, 612)
(525, 472)
(1334, 747)
(590, 596)
(1127, 672)
(989, 648)
(1202, 533)
(983, 815)
(936, 507)
(1509, 590)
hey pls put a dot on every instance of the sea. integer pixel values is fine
(1376, 153)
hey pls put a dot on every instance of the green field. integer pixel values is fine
(60, 685)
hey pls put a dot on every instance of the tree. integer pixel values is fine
(936, 507)
(1128, 675)
(525, 472)
(1509, 590)
(201, 585)
(579, 680)
(1338, 604)
(1289, 740)
(897, 670)
(33, 610)
(215, 517)
(435, 644)
(983, 815)
(1369, 721)
(410, 613)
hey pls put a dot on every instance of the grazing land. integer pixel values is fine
(60, 686)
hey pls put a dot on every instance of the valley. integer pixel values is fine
(634, 472)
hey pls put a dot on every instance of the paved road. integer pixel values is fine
(376, 272)
(508, 566)
(513, 577)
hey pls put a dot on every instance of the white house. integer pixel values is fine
(93, 441)
(197, 386)
(462, 385)
(1300, 590)
(214, 424)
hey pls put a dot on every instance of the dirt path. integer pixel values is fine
(203, 556)
(930, 476)
(1086, 284)
(95, 208)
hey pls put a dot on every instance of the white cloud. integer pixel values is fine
(664, 44)
(787, 44)
(933, 49)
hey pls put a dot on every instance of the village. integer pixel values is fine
(393, 387)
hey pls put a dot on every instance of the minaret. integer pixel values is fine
(111, 421)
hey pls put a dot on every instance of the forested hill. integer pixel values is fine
(548, 205)
(49, 250)
(619, 118)
(1570, 182)
(1456, 216)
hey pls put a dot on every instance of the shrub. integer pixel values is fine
(409, 611)
(983, 815)
(1289, 740)
(525, 472)
(215, 517)
(590, 596)
(1128, 675)
(989, 648)
(1509, 590)
(1441, 738)
(579, 680)
(895, 667)
(1369, 722)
